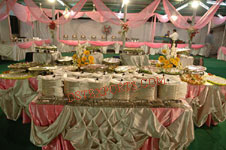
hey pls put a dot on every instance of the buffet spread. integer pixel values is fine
(111, 89)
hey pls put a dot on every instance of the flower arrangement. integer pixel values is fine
(192, 32)
(125, 28)
(52, 27)
(82, 57)
(167, 61)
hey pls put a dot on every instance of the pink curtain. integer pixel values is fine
(217, 20)
(72, 43)
(181, 22)
(39, 43)
(162, 18)
(197, 46)
(101, 43)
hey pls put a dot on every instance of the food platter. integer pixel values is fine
(122, 69)
(216, 80)
(15, 76)
(24, 65)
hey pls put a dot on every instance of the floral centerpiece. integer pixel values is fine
(82, 57)
(169, 59)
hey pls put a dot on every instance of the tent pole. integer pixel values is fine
(124, 35)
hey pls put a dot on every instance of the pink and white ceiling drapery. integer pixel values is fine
(41, 16)
(6, 7)
(181, 22)
(134, 21)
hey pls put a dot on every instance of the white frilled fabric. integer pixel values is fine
(13, 52)
(186, 60)
(46, 58)
(135, 60)
(102, 128)
(221, 55)
(207, 100)
(17, 97)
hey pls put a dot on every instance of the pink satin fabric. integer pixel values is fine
(44, 115)
(134, 44)
(182, 45)
(5, 84)
(47, 41)
(39, 43)
(223, 49)
(194, 90)
(101, 43)
(197, 46)
(25, 45)
(33, 83)
(154, 45)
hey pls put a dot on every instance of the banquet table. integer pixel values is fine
(46, 58)
(134, 60)
(17, 51)
(208, 103)
(148, 47)
(77, 127)
(221, 54)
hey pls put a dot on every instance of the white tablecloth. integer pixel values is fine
(221, 55)
(13, 52)
(46, 58)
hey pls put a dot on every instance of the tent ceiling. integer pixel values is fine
(134, 6)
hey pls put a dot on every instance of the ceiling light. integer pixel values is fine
(174, 18)
(182, 7)
(195, 4)
(125, 2)
(214, 2)
(51, 1)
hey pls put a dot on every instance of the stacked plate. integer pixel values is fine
(51, 86)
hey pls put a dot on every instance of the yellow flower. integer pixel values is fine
(165, 66)
(158, 65)
(74, 56)
(161, 59)
(171, 60)
(86, 52)
(84, 59)
(86, 63)
(170, 66)
(164, 51)
(91, 58)
(78, 61)
(175, 63)
(177, 59)
(166, 62)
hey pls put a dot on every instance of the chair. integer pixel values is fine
(93, 37)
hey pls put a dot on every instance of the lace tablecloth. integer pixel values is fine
(46, 58)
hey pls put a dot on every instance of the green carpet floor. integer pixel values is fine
(15, 136)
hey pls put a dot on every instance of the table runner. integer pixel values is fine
(120, 128)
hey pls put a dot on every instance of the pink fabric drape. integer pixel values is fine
(5, 7)
(182, 45)
(162, 18)
(223, 49)
(101, 43)
(194, 90)
(22, 13)
(72, 43)
(217, 20)
(5, 84)
(197, 46)
(96, 16)
(39, 43)
(41, 16)
(154, 45)
(47, 41)
(134, 44)
(25, 45)
(134, 21)
(144, 15)
(181, 22)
